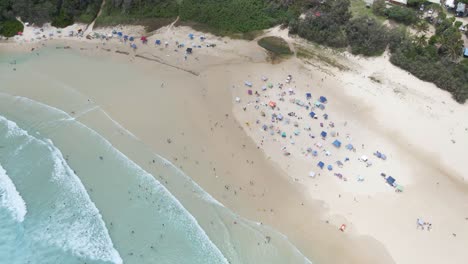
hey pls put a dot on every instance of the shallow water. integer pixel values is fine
(69, 194)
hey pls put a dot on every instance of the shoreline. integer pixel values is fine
(335, 210)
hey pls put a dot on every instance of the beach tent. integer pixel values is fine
(272, 104)
(349, 147)
(312, 114)
(323, 134)
(249, 92)
(317, 103)
(337, 143)
(283, 134)
(249, 84)
(190, 36)
(144, 39)
(120, 34)
(321, 106)
(189, 50)
(125, 37)
(308, 95)
(134, 46)
(330, 167)
(323, 99)
(450, 3)
(390, 180)
(399, 188)
(364, 158)
(312, 174)
(157, 42)
(465, 52)
(321, 164)
(339, 163)
(280, 117)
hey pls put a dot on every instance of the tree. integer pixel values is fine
(402, 14)
(421, 40)
(367, 36)
(421, 26)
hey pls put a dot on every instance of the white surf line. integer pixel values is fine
(144, 173)
(93, 249)
(206, 195)
(10, 198)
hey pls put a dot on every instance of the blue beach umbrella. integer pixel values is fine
(131, 38)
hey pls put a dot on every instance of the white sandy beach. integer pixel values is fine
(373, 106)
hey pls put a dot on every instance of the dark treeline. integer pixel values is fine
(60, 12)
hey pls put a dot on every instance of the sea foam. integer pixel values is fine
(86, 235)
(10, 197)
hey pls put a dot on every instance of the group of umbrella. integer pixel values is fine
(319, 104)
(144, 40)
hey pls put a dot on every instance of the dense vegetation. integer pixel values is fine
(220, 16)
(9, 28)
(435, 60)
(366, 36)
(325, 23)
(61, 12)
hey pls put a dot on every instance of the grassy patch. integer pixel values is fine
(278, 47)
(306, 53)
(358, 8)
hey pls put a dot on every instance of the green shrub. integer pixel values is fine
(276, 45)
(326, 24)
(10, 28)
(367, 36)
(402, 14)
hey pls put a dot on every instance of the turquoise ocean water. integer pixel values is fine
(69, 195)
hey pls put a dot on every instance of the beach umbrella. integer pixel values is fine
(20, 33)
(190, 36)
(283, 134)
(270, 85)
(323, 134)
(312, 114)
(249, 92)
(330, 167)
(312, 174)
(125, 37)
(249, 84)
(314, 153)
(120, 34)
(144, 39)
(158, 42)
(131, 38)
(323, 99)
(272, 104)
(320, 164)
